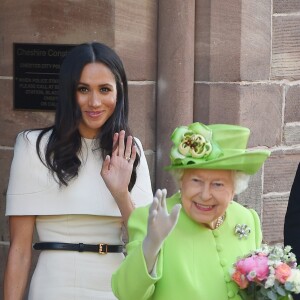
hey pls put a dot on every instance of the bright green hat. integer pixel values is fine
(216, 146)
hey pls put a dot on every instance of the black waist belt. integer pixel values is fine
(100, 248)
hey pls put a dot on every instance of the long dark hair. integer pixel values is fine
(64, 143)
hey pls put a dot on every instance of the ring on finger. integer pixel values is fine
(127, 158)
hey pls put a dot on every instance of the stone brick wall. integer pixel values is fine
(247, 72)
(212, 61)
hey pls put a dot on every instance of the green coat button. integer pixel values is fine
(223, 262)
(230, 294)
(215, 233)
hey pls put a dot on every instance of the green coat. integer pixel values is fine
(194, 262)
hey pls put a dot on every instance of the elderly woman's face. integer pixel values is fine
(206, 194)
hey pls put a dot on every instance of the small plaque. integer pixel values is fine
(36, 75)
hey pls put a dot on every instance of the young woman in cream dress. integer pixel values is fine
(77, 182)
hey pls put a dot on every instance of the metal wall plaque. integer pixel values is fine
(36, 73)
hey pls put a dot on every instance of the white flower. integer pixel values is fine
(272, 270)
(287, 249)
(270, 281)
(294, 280)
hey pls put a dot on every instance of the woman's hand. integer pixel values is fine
(160, 224)
(116, 171)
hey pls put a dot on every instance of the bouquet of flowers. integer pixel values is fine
(268, 273)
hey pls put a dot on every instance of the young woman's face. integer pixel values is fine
(96, 95)
(205, 194)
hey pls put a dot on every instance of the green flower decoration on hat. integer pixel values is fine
(215, 147)
(193, 143)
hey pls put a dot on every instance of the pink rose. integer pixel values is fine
(282, 272)
(257, 264)
(245, 265)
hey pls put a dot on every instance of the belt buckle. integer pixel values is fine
(103, 248)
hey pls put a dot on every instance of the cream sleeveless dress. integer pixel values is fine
(83, 212)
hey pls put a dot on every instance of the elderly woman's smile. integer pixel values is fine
(205, 194)
(203, 207)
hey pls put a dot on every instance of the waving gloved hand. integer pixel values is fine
(160, 224)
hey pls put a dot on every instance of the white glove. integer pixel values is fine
(160, 224)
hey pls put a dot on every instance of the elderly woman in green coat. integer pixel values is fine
(184, 247)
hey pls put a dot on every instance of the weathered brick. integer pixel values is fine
(292, 133)
(3, 256)
(202, 39)
(261, 111)
(218, 44)
(256, 38)
(286, 6)
(232, 40)
(224, 103)
(286, 48)
(5, 162)
(136, 37)
(142, 113)
(279, 171)
(252, 196)
(292, 104)
(201, 102)
(246, 105)
(274, 209)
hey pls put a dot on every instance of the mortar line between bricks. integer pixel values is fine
(286, 14)
(276, 194)
(6, 148)
(260, 82)
(133, 82)
(3, 243)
